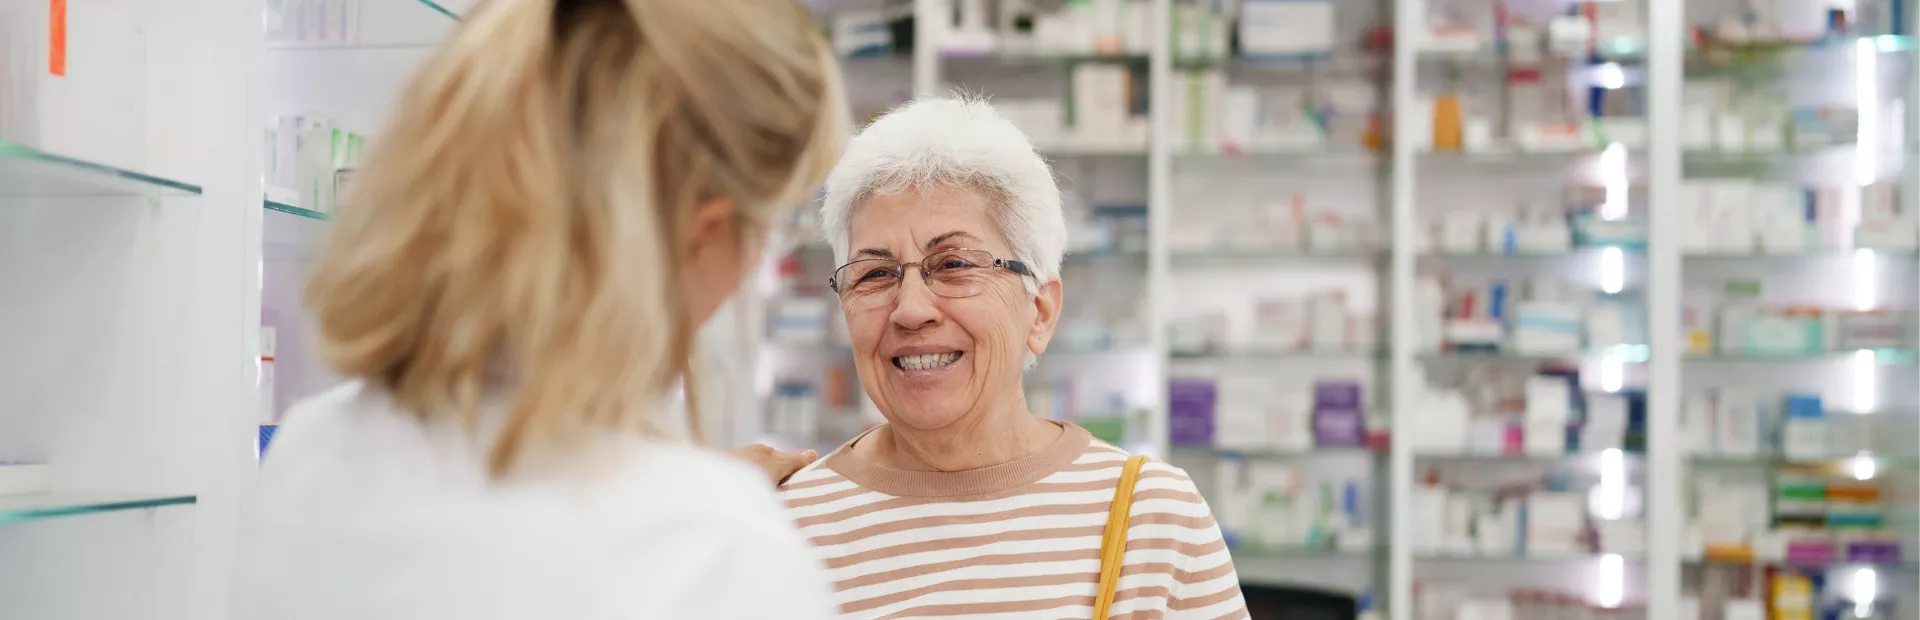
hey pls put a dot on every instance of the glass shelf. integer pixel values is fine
(1062, 349)
(1741, 164)
(1801, 255)
(1061, 150)
(1904, 566)
(1285, 156)
(27, 172)
(1571, 253)
(1626, 50)
(1281, 566)
(1270, 454)
(1572, 558)
(296, 211)
(1763, 59)
(1886, 357)
(1630, 353)
(1475, 457)
(1258, 254)
(1296, 552)
(1256, 355)
(1510, 157)
(438, 8)
(31, 506)
(1837, 465)
(1040, 58)
(1342, 60)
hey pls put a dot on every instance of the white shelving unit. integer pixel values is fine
(1405, 182)
(136, 282)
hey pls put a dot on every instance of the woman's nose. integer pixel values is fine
(914, 307)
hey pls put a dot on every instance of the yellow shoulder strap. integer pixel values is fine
(1113, 544)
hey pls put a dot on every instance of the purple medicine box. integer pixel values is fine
(1190, 412)
(1810, 553)
(1338, 420)
(1874, 551)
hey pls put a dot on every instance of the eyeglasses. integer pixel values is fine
(950, 273)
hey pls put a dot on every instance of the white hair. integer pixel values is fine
(960, 141)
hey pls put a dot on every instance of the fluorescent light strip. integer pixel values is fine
(1866, 378)
(1866, 279)
(1611, 588)
(1864, 467)
(1613, 371)
(1610, 76)
(1865, 588)
(1613, 175)
(1866, 84)
(1613, 269)
(1611, 502)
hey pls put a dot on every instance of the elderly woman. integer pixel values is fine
(950, 230)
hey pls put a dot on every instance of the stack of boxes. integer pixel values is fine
(1547, 416)
(1735, 322)
(1253, 414)
(1273, 505)
(1721, 117)
(1741, 217)
(1322, 322)
(1544, 318)
(310, 161)
(1541, 523)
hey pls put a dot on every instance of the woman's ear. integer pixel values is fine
(1045, 318)
(711, 227)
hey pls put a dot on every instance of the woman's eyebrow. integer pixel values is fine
(875, 253)
(948, 236)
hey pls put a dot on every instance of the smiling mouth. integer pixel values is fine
(926, 362)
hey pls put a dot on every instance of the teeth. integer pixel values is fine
(926, 362)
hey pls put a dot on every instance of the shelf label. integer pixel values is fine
(57, 37)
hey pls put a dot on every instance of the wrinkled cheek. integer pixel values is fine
(1007, 338)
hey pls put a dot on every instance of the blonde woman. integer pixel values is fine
(567, 190)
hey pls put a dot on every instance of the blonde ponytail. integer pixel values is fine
(521, 215)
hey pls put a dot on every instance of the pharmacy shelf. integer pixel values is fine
(1837, 465)
(295, 211)
(1258, 355)
(1570, 558)
(1254, 553)
(1632, 354)
(1317, 568)
(1808, 254)
(1281, 157)
(1753, 164)
(1579, 252)
(1289, 255)
(1269, 454)
(1040, 58)
(34, 506)
(27, 172)
(1883, 357)
(1070, 150)
(1904, 566)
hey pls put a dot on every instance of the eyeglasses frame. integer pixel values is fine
(998, 263)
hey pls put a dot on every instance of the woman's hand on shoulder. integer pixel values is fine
(778, 465)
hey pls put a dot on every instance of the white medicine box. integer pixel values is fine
(75, 84)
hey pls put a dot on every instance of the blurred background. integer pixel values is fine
(1455, 309)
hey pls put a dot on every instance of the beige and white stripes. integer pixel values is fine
(1017, 540)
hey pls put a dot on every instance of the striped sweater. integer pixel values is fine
(1015, 540)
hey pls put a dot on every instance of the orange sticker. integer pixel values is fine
(57, 37)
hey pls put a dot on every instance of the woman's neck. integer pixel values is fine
(972, 442)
